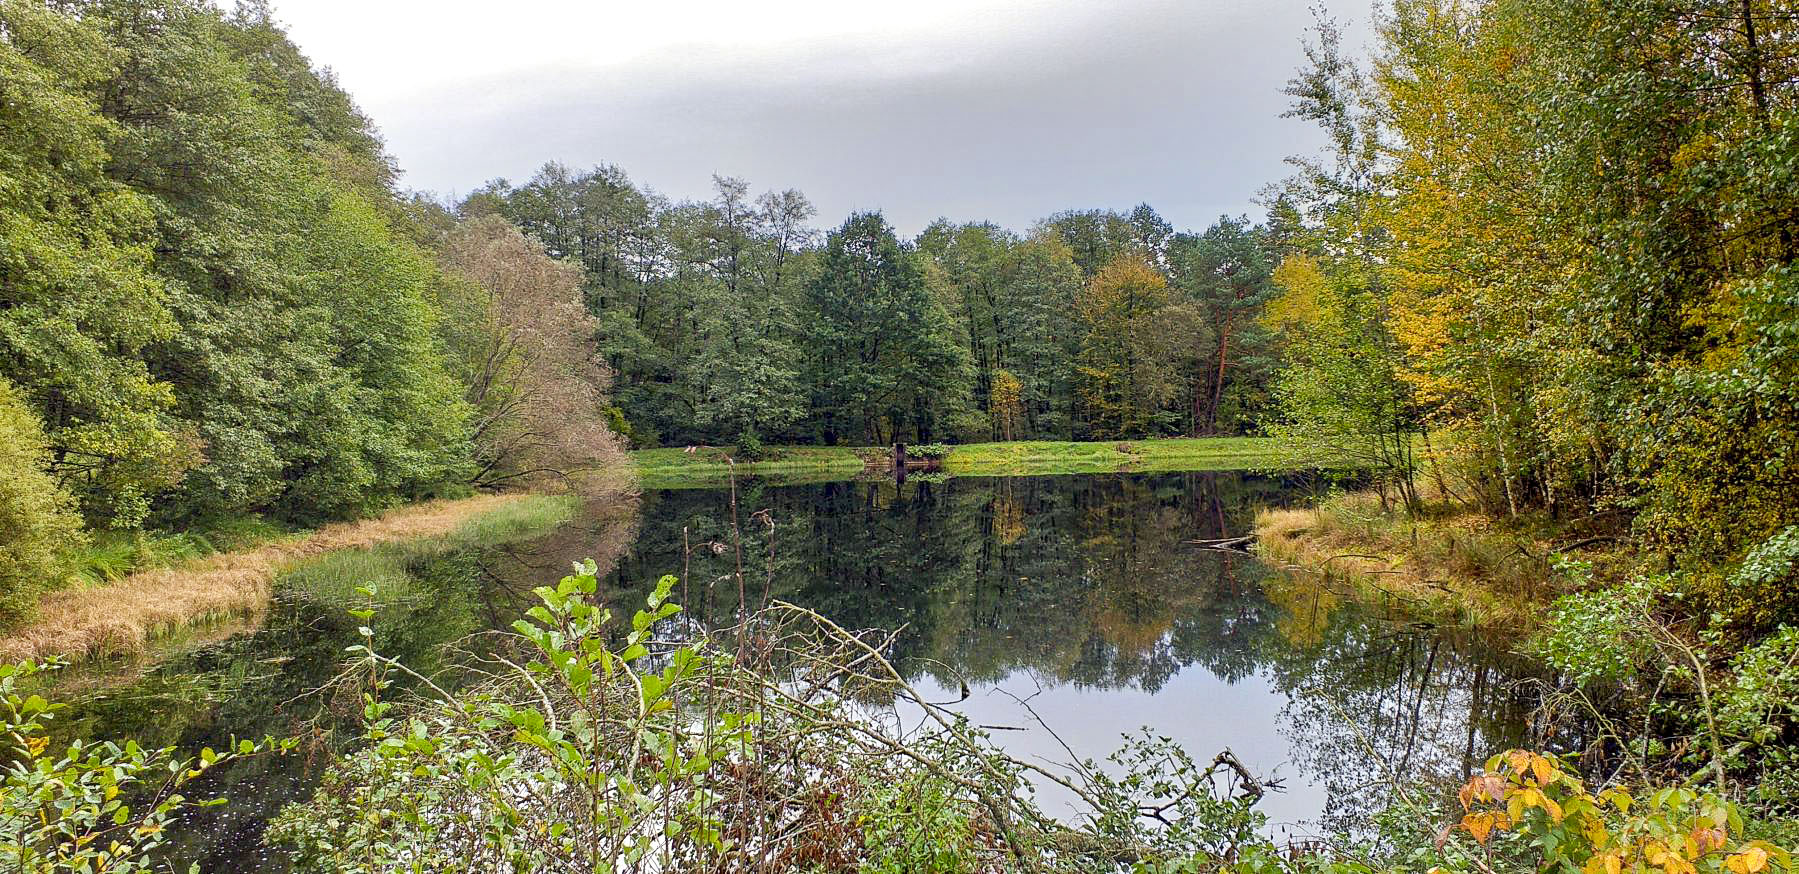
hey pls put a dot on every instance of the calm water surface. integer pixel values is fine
(1080, 594)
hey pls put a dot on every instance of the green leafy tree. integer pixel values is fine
(1134, 335)
(1226, 273)
(38, 526)
(881, 362)
(79, 302)
(306, 353)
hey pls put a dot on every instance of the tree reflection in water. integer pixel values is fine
(1085, 595)
(1081, 594)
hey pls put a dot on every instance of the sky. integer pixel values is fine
(973, 110)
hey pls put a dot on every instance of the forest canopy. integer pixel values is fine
(214, 302)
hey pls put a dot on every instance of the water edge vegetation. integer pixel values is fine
(1543, 284)
(703, 466)
(125, 616)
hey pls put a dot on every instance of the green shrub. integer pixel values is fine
(38, 525)
(96, 805)
(648, 748)
(1599, 636)
(916, 826)
(928, 450)
(1763, 591)
(749, 447)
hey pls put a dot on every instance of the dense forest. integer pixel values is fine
(1555, 248)
(732, 321)
(218, 305)
(215, 303)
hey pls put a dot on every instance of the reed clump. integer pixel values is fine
(125, 615)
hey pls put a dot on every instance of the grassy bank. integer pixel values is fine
(1446, 562)
(710, 466)
(1043, 457)
(127, 615)
(676, 468)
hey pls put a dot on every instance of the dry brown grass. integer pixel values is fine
(123, 617)
(1460, 564)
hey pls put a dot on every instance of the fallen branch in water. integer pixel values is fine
(1231, 544)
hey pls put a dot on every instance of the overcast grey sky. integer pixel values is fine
(1001, 110)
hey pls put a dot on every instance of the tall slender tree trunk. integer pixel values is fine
(1224, 346)
(1758, 91)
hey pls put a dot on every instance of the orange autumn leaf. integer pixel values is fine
(1706, 839)
(1541, 769)
(1483, 787)
(1482, 825)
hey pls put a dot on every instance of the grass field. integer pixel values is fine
(710, 466)
(1038, 457)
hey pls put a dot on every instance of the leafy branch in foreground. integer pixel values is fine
(787, 742)
(95, 806)
(1524, 809)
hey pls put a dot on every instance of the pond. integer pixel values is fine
(1081, 595)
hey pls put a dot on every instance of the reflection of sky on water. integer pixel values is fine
(1086, 596)
(1201, 712)
(1081, 593)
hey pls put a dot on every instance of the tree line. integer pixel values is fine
(215, 301)
(1547, 263)
(733, 321)
(1548, 266)
(217, 304)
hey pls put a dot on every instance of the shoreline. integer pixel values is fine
(1453, 565)
(711, 466)
(126, 616)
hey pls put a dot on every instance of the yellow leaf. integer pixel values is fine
(1481, 825)
(1541, 768)
(1604, 863)
(36, 745)
(1555, 810)
(1749, 861)
(1619, 799)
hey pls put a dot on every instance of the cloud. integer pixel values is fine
(975, 110)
